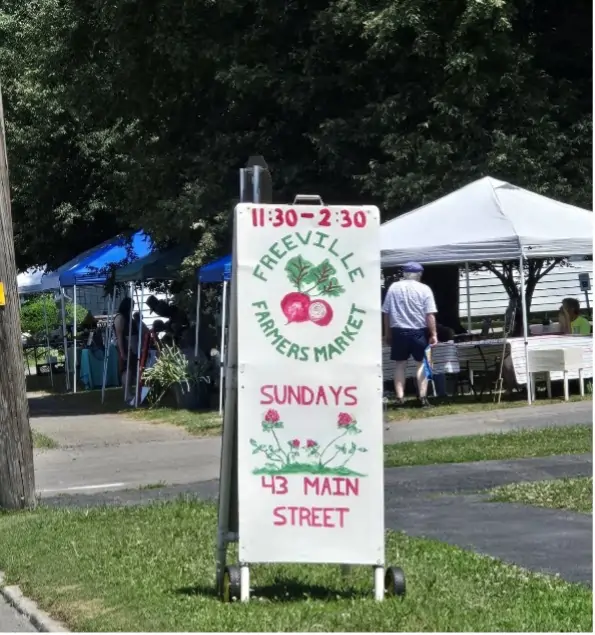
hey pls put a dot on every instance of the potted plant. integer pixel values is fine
(172, 371)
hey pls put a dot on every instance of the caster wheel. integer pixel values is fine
(231, 584)
(394, 582)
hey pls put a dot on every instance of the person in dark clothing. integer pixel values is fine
(177, 321)
(123, 341)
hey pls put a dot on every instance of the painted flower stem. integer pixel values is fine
(350, 456)
(285, 456)
(272, 456)
(328, 446)
(331, 459)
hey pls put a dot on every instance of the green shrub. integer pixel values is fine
(32, 314)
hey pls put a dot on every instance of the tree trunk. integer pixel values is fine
(17, 480)
(444, 282)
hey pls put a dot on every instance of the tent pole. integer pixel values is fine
(469, 322)
(66, 364)
(128, 346)
(525, 329)
(74, 340)
(196, 328)
(47, 342)
(108, 345)
(222, 354)
(108, 339)
(140, 339)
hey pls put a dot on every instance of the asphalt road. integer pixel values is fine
(100, 453)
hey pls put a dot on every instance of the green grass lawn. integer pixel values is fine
(152, 569)
(207, 423)
(42, 441)
(575, 494)
(487, 447)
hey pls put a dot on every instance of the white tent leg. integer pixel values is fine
(74, 340)
(525, 327)
(469, 321)
(222, 354)
(66, 364)
(47, 343)
(108, 339)
(128, 347)
(140, 339)
(196, 328)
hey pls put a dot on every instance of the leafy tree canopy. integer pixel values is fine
(139, 113)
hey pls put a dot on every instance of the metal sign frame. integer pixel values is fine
(233, 581)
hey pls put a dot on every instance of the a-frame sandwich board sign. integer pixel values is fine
(302, 475)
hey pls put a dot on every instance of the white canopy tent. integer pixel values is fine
(36, 280)
(488, 220)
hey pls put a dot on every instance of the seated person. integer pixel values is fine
(571, 321)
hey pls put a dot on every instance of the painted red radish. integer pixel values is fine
(295, 307)
(320, 312)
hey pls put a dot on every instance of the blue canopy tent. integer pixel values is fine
(215, 272)
(93, 268)
(40, 279)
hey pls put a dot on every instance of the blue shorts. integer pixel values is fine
(408, 342)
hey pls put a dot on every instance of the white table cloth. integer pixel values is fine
(470, 353)
(449, 357)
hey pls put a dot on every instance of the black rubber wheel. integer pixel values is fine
(394, 582)
(231, 584)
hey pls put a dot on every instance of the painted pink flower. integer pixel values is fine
(344, 420)
(295, 443)
(310, 443)
(271, 416)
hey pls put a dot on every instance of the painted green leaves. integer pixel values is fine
(315, 280)
(297, 271)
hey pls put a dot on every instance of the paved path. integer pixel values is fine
(12, 621)
(504, 420)
(100, 431)
(104, 452)
(442, 502)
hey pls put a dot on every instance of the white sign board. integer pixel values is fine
(310, 431)
(585, 281)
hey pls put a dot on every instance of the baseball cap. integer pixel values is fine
(412, 267)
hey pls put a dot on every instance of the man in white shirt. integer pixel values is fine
(410, 325)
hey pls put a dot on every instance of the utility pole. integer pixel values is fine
(17, 478)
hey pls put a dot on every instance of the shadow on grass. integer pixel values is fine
(283, 590)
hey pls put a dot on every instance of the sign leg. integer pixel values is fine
(379, 584)
(221, 558)
(244, 583)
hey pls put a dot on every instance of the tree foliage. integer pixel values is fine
(127, 113)
(40, 313)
